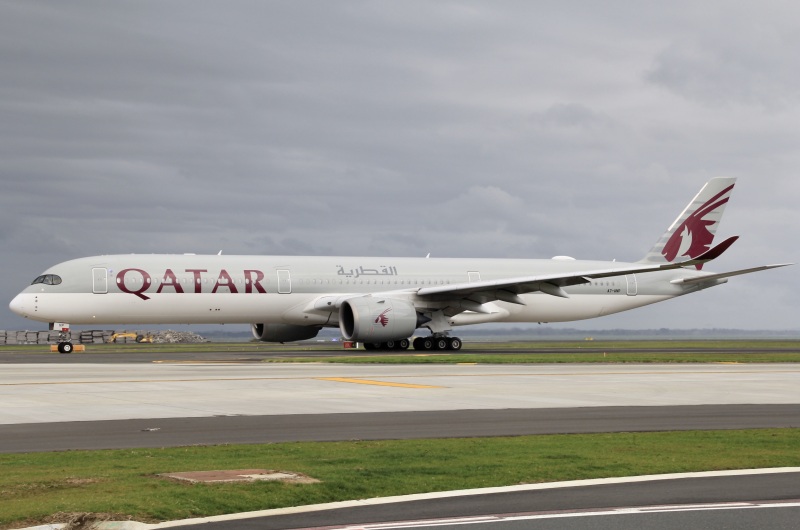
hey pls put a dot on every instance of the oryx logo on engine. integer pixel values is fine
(383, 319)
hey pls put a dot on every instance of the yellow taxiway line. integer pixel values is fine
(370, 382)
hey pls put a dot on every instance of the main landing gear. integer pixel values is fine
(437, 343)
(420, 343)
(399, 345)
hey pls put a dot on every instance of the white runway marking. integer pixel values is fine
(468, 521)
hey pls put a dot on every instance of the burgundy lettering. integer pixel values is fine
(196, 272)
(253, 281)
(228, 282)
(250, 282)
(173, 282)
(138, 292)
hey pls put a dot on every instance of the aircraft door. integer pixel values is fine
(99, 280)
(284, 282)
(473, 276)
(631, 280)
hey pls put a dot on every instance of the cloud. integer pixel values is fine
(746, 58)
(458, 128)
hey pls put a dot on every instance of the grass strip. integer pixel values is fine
(550, 358)
(649, 351)
(34, 486)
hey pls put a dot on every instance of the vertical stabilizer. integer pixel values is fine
(693, 231)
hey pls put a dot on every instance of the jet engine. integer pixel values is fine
(283, 332)
(371, 319)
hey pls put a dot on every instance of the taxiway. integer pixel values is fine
(34, 393)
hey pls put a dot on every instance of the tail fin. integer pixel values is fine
(693, 231)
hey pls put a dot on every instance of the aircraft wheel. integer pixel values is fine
(423, 343)
(64, 347)
(440, 344)
(389, 345)
(454, 344)
(369, 346)
(403, 344)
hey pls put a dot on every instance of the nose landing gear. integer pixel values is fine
(64, 344)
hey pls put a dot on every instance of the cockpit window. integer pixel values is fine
(47, 279)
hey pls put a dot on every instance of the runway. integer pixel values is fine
(84, 405)
(34, 393)
(163, 403)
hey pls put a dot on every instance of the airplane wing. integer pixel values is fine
(509, 289)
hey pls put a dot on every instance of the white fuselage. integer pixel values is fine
(192, 289)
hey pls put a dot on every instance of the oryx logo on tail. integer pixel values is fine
(696, 233)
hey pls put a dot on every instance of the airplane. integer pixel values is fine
(380, 302)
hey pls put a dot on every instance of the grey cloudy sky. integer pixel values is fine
(464, 129)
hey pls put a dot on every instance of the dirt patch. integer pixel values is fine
(27, 488)
(241, 475)
(84, 520)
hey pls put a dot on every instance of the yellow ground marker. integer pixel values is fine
(370, 382)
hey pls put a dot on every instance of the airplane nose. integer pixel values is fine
(17, 305)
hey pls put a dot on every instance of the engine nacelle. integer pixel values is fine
(371, 319)
(283, 332)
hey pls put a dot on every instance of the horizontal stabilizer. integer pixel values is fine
(721, 275)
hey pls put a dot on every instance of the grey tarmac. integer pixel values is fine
(58, 393)
(172, 432)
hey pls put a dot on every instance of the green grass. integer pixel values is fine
(699, 351)
(33, 486)
(558, 358)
